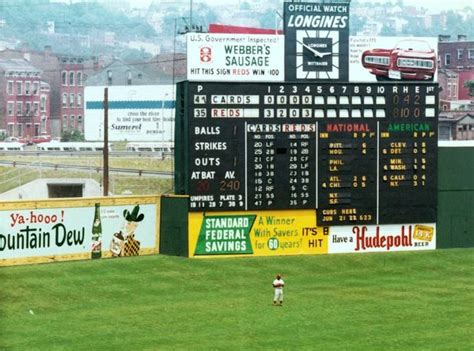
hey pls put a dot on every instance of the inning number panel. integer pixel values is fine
(358, 153)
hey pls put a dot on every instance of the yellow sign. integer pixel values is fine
(259, 233)
(423, 232)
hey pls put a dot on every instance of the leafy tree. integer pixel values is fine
(470, 84)
(73, 135)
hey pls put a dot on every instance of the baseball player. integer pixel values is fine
(278, 284)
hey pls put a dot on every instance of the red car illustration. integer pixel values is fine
(408, 60)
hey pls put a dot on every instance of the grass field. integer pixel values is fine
(397, 301)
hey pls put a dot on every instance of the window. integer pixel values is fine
(79, 78)
(73, 118)
(460, 53)
(470, 54)
(28, 108)
(64, 99)
(452, 90)
(65, 120)
(79, 100)
(36, 108)
(35, 88)
(43, 104)
(447, 59)
(71, 100)
(10, 108)
(43, 124)
(64, 77)
(27, 88)
(79, 123)
(10, 87)
(71, 78)
(19, 108)
(19, 88)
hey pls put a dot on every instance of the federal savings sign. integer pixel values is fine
(235, 57)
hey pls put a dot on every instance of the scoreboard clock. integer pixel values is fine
(316, 42)
(317, 54)
(357, 153)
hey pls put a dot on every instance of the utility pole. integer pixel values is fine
(106, 143)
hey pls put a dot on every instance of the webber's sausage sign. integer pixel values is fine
(316, 42)
(235, 57)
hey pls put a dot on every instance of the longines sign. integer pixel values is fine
(316, 42)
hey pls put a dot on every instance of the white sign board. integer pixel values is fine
(63, 231)
(261, 58)
(236, 57)
(384, 238)
(136, 113)
(392, 58)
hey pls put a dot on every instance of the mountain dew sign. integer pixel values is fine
(225, 235)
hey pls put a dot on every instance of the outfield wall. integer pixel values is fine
(456, 194)
(269, 233)
(59, 230)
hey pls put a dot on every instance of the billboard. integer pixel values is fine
(214, 57)
(360, 239)
(316, 41)
(260, 233)
(235, 57)
(284, 233)
(136, 113)
(92, 231)
(392, 58)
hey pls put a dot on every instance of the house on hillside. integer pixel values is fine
(120, 73)
(65, 75)
(24, 100)
(456, 126)
(456, 67)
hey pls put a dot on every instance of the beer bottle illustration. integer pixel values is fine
(96, 234)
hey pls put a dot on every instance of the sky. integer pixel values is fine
(438, 5)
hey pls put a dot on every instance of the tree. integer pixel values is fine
(470, 84)
(73, 135)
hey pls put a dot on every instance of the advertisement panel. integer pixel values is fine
(386, 238)
(136, 113)
(316, 41)
(214, 57)
(87, 232)
(235, 57)
(392, 58)
(260, 233)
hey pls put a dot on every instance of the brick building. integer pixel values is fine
(71, 108)
(24, 99)
(458, 57)
(65, 75)
(456, 67)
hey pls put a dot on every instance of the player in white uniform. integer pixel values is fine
(278, 284)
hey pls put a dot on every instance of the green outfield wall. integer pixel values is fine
(455, 226)
(455, 220)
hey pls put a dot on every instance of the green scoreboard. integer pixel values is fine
(358, 153)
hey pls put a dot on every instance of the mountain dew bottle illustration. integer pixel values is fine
(96, 234)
